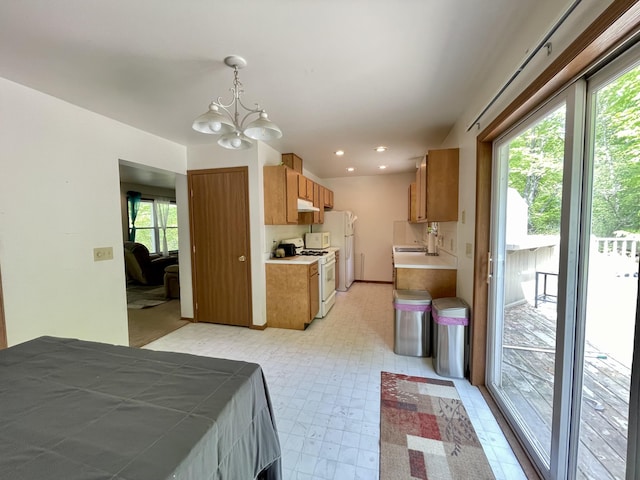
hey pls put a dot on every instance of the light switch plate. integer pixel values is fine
(468, 250)
(102, 253)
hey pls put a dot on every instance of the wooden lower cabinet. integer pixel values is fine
(439, 283)
(293, 294)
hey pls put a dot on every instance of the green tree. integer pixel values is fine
(616, 185)
(536, 159)
(535, 171)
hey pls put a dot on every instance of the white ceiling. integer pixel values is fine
(333, 74)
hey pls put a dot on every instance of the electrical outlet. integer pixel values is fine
(102, 253)
(464, 216)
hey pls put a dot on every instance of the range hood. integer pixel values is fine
(306, 206)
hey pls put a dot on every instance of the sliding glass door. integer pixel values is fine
(526, 241)
(564, 275)
(612, 223)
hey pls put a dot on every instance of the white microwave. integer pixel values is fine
(317, 240)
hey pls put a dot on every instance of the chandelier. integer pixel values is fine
(224, 119)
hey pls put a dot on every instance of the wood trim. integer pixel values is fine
(3, 327)
(258, 327)
(607, 35)
(478, 348)
(617, 24)
(383, 282)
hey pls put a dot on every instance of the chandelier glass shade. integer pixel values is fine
(224, 119)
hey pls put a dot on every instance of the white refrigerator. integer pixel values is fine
(341, 225)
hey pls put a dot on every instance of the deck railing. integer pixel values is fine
(623, 246)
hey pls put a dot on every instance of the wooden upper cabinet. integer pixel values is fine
(442, 185)
(305, 188)
(280, 195)
(328, 198)
(412, 212)
(421, 191)
(318, 201)
(437, 186)
(292, 161)
(310, 186)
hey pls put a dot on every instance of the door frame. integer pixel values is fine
(567, 371)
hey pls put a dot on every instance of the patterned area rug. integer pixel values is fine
(425, 432)
(142, 296)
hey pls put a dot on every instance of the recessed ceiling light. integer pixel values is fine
(381, 148)
(382, 167)
(351, 169)
(339, 152)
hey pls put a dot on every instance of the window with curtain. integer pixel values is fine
(156, 225)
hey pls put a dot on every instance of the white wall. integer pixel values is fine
(378, 201)
(60, 198)
(184, 247)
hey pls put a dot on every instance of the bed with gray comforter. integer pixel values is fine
(77, 410)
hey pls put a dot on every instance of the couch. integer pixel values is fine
(172, 281)
(145, 268)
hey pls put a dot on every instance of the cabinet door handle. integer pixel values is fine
(242, 258)
(489, 267)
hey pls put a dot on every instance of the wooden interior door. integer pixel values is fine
(220, 245)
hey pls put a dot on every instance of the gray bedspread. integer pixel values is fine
(77, 410)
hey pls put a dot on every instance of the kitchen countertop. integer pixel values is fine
(419, 260)
(297, 260)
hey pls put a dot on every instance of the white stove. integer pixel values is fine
(313, 253)
(326, 272)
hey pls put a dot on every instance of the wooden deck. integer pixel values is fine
(527, 378)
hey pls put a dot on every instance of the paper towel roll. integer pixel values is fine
(431, 248)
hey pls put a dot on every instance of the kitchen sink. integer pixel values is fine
(410, 249)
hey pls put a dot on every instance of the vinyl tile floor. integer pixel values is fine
(324, 383)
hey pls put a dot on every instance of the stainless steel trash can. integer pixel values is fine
(411, 329)
(451, 318)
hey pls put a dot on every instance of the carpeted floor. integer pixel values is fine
(149, 324)
(425, 432)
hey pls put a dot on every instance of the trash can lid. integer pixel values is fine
(451, 307)
(412, 297)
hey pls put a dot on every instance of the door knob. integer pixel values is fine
(242, 258)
